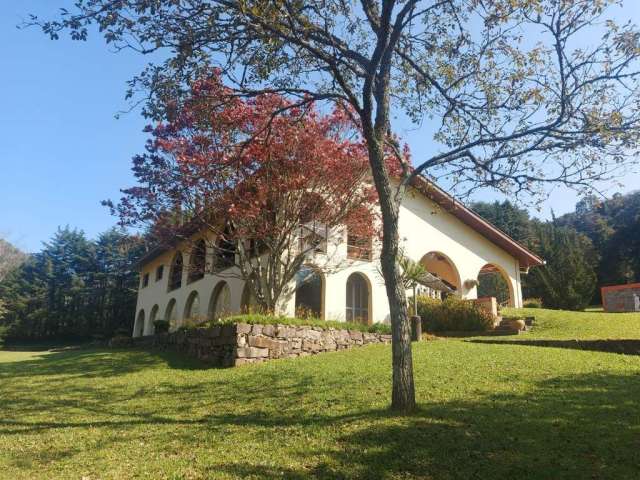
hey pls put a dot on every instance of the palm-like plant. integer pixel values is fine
(413, 273)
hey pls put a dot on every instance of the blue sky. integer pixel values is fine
(62, 150)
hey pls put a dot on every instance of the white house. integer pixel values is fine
(452, 241)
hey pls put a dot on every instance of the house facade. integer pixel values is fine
(343, 282)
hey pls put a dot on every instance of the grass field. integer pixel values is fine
(487, 411)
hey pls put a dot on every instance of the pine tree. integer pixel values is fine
(568, 280)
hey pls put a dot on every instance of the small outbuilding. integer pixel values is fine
(621, 298)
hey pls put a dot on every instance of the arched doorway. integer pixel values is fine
(248, 301)
(220, 303)
(138, 328)
(441, 266)
(192, 307)
(494, 282)
(171, 314)
(358, 305)
(152, 318)
(309, 293)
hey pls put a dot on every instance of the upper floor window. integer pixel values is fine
(145, 280)
(175, 274)
(313, 237)
(197, 261)
(225, 252)
(159, 272)
(358, 247)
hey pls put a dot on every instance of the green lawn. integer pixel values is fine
(589, 325)
(487, 411)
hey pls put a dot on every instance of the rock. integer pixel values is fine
(355, 335)
(252, 352)
(256, 329)
(243, 328)
(263, 342)
(268, 330)
(313, 334)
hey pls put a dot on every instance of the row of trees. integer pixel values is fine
(73, 288)
(598, 244)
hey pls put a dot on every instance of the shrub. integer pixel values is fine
(453, 315)
(532, 303)
(161, 326)
(262, 319)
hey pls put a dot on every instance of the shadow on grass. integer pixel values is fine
(622, 346)
(575, 427)
(569, 427)
(90, 363)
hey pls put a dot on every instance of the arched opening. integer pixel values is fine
(220, 303)
(309, 293)
(494, 282)
(248, 301)
(358, 299)
(175, 273)
(192, 307)
(225, 251)
(197, 261)
(152, 318)
(138, 327)
(441, 266)
(171, 314)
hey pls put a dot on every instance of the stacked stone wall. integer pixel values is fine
(242, 343)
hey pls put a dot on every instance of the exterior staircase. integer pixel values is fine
(512, 325)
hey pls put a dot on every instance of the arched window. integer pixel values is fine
(152, 318)
(171, 314)
(357, 299)
(309, 293)
(220, 303)
(175, 275)
(225, 251)
(197, 261)
(138, 328)
(192, 309)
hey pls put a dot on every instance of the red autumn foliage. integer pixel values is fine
(254, 168)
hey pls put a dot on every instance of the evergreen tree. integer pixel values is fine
(73, 288)
(568, 279)
(512, 220)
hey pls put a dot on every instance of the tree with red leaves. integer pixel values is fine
(264, 191)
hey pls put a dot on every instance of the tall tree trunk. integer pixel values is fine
(403, 391)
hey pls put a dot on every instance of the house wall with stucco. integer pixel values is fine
(425, 228)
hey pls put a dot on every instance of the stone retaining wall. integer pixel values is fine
(241, 343)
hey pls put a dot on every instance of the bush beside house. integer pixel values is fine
(452, 315)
